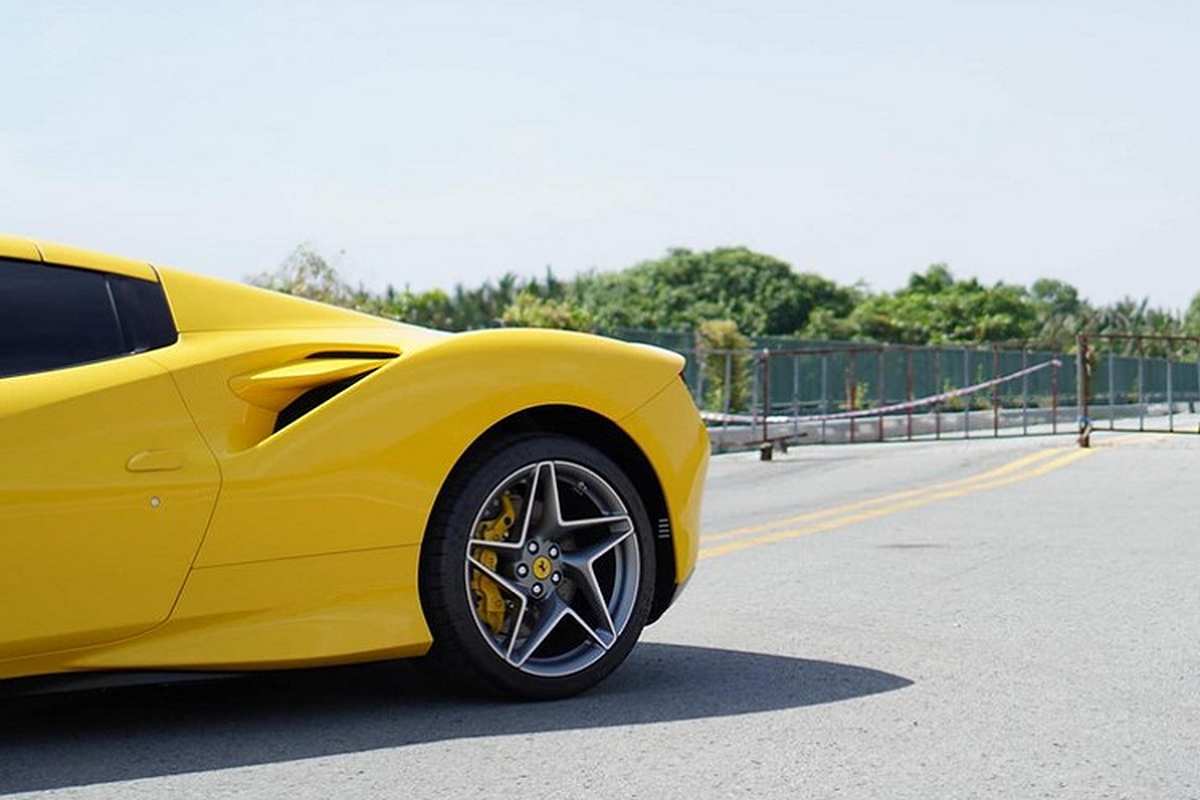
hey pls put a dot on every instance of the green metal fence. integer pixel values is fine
(918, 390)
(1147, 388)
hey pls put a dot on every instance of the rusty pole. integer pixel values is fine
(1082, 389)
(766, 402)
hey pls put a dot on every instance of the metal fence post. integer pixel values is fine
(1112, 388)
(852, 390)
(824, 396)
(755, 383)
(1025, 392)
(1141, 386)
(969, 397)
(1054, 395)
(795, 394)
(795, 384)
(879, 354)
(937, 389)
(1082, 389)
(1170, 396)
(996, 391)
(726, 395)
(908, 389)
(766, 398)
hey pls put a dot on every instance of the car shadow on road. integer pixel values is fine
(86, 737)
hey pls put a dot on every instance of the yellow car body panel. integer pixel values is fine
(97, 536)
(414, 419)
(201, 303)
(328, 609)
(99, 262)
(239, 536)
(66, 256)
(16, 247)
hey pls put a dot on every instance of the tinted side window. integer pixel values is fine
(143, 313)
(52, 317)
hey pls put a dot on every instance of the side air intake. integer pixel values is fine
(294, 389)
(313, 398)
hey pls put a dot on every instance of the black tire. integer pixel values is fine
(524, 602)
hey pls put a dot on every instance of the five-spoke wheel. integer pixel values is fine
(538, 572)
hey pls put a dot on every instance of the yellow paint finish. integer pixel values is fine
(670, 433)
(332, 609)
(200, 303)
(89, 550)
(364, 470)
(207, 365)
(18, 247)
(62, 255)
(87, 259)
(275, 388)
(155, 461)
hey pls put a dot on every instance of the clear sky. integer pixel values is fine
(429, 143)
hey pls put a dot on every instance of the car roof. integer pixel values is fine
(19, 247)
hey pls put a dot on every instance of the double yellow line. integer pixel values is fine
(1021, 469)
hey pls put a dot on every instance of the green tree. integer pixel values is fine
(762, 294)
(1191, 318)
(306, 273)
(1060, 314)
(532, 311)
(936, 308)
(432, 309)
(1056, 297)
(825, 324)
(724, 354)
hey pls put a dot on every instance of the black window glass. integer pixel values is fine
(143, 313)
(53, 317)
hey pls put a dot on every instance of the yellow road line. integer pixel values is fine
(1020, 469)
(1012, 466)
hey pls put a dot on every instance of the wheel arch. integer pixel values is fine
(609, 438)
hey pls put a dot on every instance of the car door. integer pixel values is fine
(106, 487)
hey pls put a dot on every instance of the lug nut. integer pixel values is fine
(532, 547)
(553, 551)
(522, 571)
(556, 578)
(536, 590)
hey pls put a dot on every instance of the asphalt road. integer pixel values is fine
(1010, 618)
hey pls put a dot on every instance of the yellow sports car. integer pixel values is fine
(200, 475)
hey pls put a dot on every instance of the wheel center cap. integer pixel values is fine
(542, 567)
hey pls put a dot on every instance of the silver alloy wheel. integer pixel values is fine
(552, 568)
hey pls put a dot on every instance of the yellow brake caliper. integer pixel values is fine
(489, 603)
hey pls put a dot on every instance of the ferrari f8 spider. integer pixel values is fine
(204, 476)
